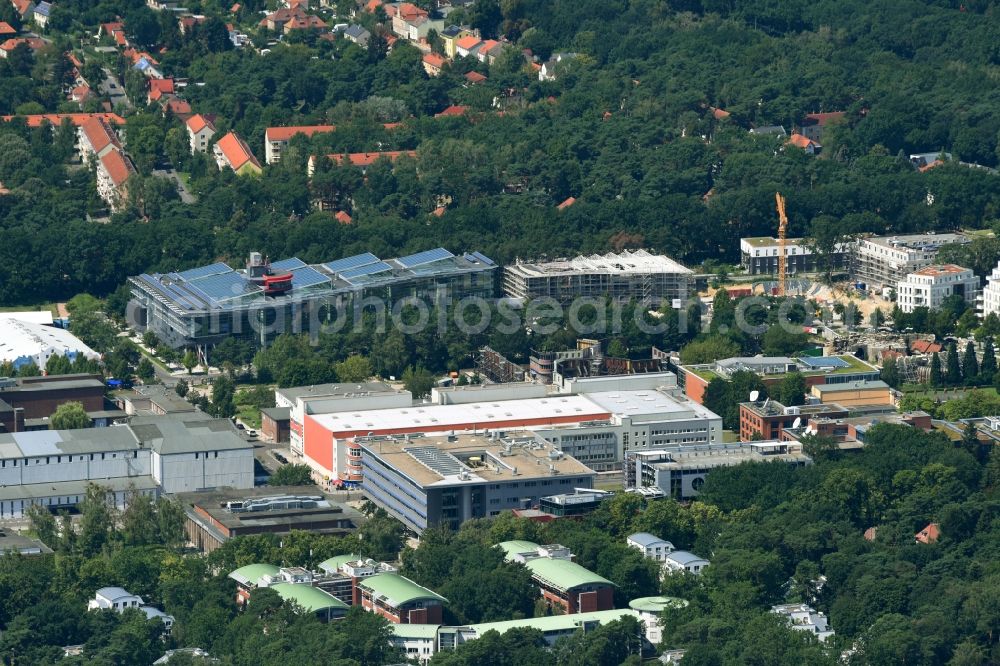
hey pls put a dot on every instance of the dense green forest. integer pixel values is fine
(626, 129)
(773, 534)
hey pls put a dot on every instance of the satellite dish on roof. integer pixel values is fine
(754, 395)
(797, 422)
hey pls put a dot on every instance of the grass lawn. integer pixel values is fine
(730, 436)
(249, 415)
(922, 391)
(51, 307)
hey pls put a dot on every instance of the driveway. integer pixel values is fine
(112, 87)
(171, 174)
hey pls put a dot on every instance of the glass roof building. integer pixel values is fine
(202, 306)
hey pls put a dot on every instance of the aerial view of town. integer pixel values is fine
(499, 332)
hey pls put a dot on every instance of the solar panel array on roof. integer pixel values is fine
(224, 287)
(437, 460)
(351, 262)
(287, 264)
(427, 257)
(479, 256)
(370, 269)
(825, 362)
(307, 277)
(203, 271)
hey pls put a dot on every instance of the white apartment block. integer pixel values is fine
(990, 296)
(885, 261)
(930, 286)
(652, 547)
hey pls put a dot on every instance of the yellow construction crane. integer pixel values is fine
(782, 228)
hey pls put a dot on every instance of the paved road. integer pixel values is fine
(171, 174)
(112, 87)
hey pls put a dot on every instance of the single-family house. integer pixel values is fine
(40, 14)
(451, 34)
(306, 22)
(33, 43)
(651, 546)
(200, 131)
(120, 600)
(231, 151)
(769, 130)
(474, 78)
(158, 88)
(929, 534)
(187, 23)
(433, 64)
(806, 144)
(549, 67)
(682, 560)
(482, 53)
(465, 46)
(402, 15)
(24, 8)
(357, 34)
(6, 30)
(453, 111)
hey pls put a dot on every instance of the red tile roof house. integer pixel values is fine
(200, 131)
(360, 160)
(6, 30)
(343, 217)
(33, 43)
(277, 138)
(233, 152)
(453, 111)
(433, 64)
(113, 172)
(474, 77)
(566, 204)
(158, 88)
(80, 93)
(808, 145)
(929, 534)
(77, 119)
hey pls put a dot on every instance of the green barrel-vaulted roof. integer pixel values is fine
(397, 590)
(516, 546)
(553, 623)
(251, 573)
(563, 574)
(310, 598)
(336, 561)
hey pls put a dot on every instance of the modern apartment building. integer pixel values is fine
(759, 256)
(630, 274)
(884, 261)
(930, 286)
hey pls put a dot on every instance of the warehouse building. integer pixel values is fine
(202, 306)
(23, 342)
(637, 275)
(426, 480)
(53, 468)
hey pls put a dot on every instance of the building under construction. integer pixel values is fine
(638, 274)
(587, 360)
(494, 366)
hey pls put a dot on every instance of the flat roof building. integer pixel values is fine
(883, 261)
(759, 256)
(930, 286)
(26, 398)
(203, 306)
(680, 472)
(214, 517)
(25, 342)
(767, 419)
(446, 480)
(855, 394)
(634, 274)
(52, 468)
